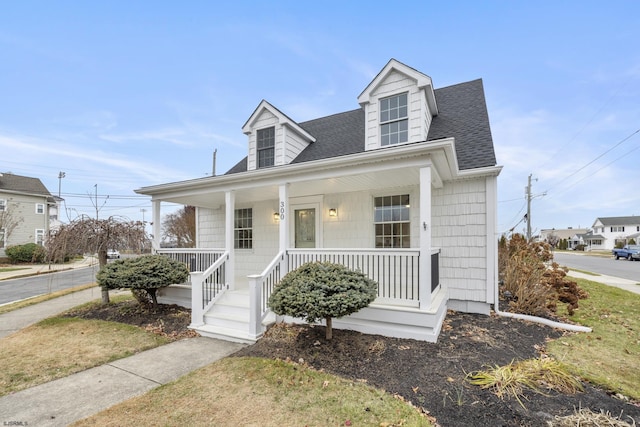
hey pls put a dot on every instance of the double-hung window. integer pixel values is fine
(243, 229)
(3, 205)
(39, 208)
(266, 142)
(392, 222)
(394, 120)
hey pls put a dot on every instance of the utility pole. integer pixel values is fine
(528, 193)
(97, 200)
(143, 211)
(60, 176)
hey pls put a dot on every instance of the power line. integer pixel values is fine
(598, 157)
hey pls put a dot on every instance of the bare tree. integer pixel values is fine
(180, 227)
(10, 217)
(89, 235)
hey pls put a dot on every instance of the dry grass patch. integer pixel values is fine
(614, 316)
(260, 392)
(537, 375)
(57, 347)
(587, 418)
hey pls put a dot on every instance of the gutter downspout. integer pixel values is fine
(535, 319)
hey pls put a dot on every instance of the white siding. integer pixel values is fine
(294, 144)
(459, 228)
(211, 228)
(353, 227)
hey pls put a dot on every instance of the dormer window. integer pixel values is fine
(394, 120)
(266, 139)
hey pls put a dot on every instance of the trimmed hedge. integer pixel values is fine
(29, 253)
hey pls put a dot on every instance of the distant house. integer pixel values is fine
(619, 229)
(26, 211)
(403, 188)
(553, 236)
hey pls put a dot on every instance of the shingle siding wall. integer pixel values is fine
(459, 228)
(211, 228)
(294, 144)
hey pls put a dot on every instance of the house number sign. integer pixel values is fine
(282, 210)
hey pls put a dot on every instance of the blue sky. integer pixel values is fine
(129, 94)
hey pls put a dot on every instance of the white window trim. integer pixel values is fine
(409, 221)
(272, 148)
(248, 228)
(37, 205)
(3, 205)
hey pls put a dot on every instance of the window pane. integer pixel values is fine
(402, 112)
(384, 116)
(392, 228)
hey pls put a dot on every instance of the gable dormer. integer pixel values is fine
(274, 139)
(399, 105)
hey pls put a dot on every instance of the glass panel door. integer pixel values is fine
(305, 224)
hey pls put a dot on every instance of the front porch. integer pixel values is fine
(409, 304)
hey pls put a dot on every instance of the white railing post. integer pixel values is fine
(197, 312)
(255, 306)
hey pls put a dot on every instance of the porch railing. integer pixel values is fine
(207, 286)
(194, 259)
(397, 271)
(260, 289)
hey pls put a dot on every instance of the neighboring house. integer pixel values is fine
(402, 188)
(591, 242)
(25, 205)
(618, 229)
(553, 236)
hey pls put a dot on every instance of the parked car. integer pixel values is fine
(113, 254)
(630, 252)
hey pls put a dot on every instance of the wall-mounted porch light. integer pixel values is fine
(333, 212)
(276, 216)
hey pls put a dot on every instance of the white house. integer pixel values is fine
(402, 188)
(617, 229)
(25, 208)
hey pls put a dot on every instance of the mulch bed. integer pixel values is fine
(429, 375)
(432, 375)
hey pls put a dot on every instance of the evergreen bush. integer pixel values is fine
(322, 290)
(146, 273)
(29, 253)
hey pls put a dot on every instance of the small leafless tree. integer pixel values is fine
(10, 217)
(180, 227)
(89, 235)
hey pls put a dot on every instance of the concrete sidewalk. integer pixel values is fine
(626, 284)
(80, 395)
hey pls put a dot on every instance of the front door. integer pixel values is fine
(305, 228)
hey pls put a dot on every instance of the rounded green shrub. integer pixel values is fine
(322, 290)
(29, 253)
(145, 273)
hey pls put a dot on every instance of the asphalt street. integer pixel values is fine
(602, 265)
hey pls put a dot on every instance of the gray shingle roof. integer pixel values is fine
(619, 220)
(462, 115)
(22, 184)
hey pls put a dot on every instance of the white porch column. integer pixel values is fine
(156, 225)
(230, 203)
(283, 208)
(425, 238)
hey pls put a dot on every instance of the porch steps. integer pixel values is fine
(228, 319)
